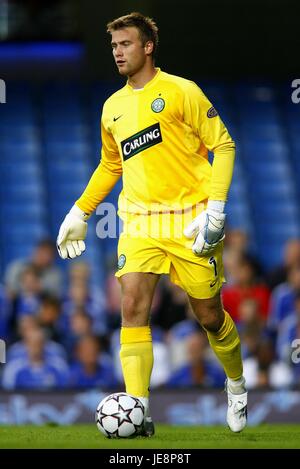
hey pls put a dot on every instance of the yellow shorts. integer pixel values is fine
(156, 244)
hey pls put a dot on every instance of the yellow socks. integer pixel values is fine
(137, 355)
(136, 359)
(226, 345)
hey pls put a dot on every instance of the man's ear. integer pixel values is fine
(149, 47)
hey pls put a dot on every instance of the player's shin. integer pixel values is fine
(226, 345)
(136, 356)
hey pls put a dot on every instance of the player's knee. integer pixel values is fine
(209, 312)
(133, 310)
(211, 325)
(211, 319)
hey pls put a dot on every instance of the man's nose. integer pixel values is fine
(118, 51)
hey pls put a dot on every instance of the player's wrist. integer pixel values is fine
(75, 210)
(216, 205)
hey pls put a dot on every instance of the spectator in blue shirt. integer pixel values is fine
(35, 370)
(5, 313)
(283, 299)
(26, 325)
(91, 369)
(29, 299)
(81, 296)
(289, 330)
(43, 261)
(80, 325)
(48, 317)
(200, 368)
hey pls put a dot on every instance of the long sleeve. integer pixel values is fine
(104, 177)
(206, 123)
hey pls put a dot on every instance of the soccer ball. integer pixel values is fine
(120, 415)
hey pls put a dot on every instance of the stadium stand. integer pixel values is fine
(47, 129)
(50, 145)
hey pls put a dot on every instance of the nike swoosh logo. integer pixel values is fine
(213, 283)
(116, 118)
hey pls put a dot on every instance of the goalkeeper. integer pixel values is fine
(156, 133)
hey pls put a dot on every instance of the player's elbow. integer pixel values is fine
(229, 144)
(232, 144)
(111, 168)
(225, 148)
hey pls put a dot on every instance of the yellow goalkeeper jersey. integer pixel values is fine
(158, 139)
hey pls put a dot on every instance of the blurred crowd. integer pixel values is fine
(63, 333)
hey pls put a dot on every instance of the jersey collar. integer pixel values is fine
(149, 84)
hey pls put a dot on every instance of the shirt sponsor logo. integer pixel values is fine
(212, 112)
(141, 141)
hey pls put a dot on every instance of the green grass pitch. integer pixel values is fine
(167, 437)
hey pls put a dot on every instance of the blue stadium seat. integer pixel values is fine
(22, 133)
(269, 211)
(20, 152)
(265, 171)
(281, 191)
(66, 133)
(19, 212)
(236, 193)
(263, 151)
(62, 115)
(16, 172)
(14, 116)
(67, 152)
(279, 231)
(255, 131)
(23, 233)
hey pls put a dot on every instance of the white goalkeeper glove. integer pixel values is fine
(207, 228)
(70, 240)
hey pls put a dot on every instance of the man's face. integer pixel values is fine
(43, 256)
(128, 51)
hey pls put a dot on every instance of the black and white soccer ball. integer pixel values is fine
(120, 415)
